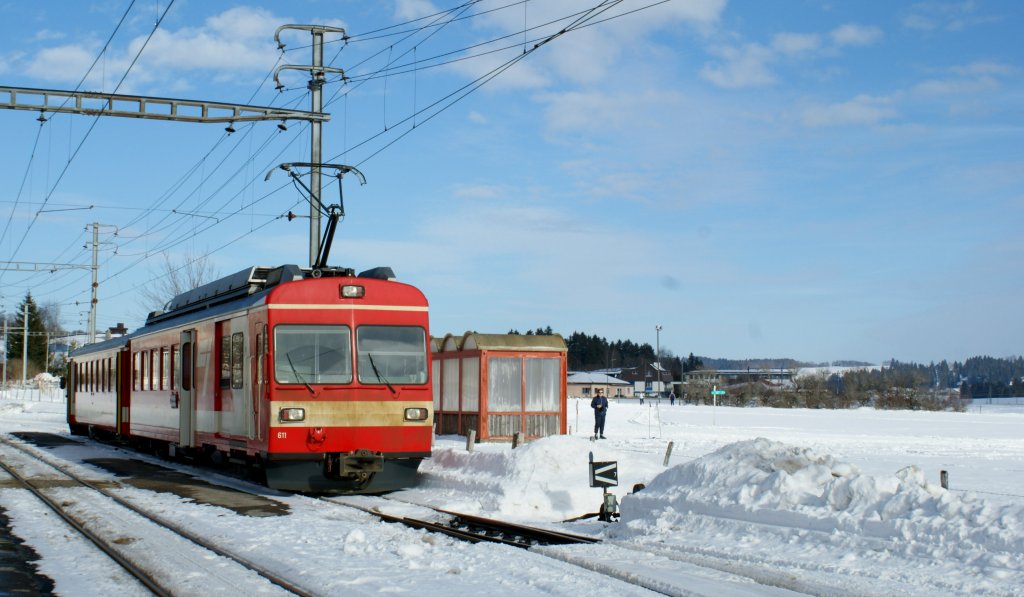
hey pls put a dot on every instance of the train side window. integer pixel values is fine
(225, 361)
(237, 359)
(175, 359)
(111, 374)
(103, 375)
(259, 357)
(186, 367)
(152, 371)
(136, 378)
(165, 368)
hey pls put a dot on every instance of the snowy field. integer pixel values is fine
(812, 501)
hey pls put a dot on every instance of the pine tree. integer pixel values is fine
(36, 335)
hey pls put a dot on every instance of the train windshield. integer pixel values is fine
(391, 355)
(308, 354)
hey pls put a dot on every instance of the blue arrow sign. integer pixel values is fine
(604, 474)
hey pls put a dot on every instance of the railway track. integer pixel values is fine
(164, 557)
(476, 529)
(146, 548)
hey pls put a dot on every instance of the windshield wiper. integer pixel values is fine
(297, 376)
(379, 376)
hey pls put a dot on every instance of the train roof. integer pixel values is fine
(113, 344)
(239, 290)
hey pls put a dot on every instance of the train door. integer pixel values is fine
(186, 390)
(259, 386)
(71, 387)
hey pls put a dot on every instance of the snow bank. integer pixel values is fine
(547, 479)
(767, 482)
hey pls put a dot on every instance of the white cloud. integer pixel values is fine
(587, 55)
(751, 64)
(852, 34)
(976, 77)
(477, 191)
(238, 39)
(407, 10)
(861, 110)
(741, 67)
(984, 68)
(947, 16)
(62, 63)
(600, 112)
(47, 35)
(795, 43)
(477, 117)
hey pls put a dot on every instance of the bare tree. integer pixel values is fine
(177, 277)
(50, 312)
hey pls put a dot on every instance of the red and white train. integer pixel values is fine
(318, 379)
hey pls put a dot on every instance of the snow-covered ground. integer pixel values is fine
(815, 501)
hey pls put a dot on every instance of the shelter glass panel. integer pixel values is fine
(450, 400)
(471, 384)
(542, 384)
(435, 373)
(505, 385)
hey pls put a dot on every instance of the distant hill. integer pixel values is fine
(777, 363)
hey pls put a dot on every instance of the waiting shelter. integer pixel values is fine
(499, 385)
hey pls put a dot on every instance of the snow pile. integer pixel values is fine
(771, 483)
(546, 479)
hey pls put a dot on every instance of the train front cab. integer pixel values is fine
(348, 388)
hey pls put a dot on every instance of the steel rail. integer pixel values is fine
(174, 528)
(139, 574)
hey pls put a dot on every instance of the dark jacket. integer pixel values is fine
(599, 401)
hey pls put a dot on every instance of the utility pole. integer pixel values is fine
(5, 351)
(657, 349)
(24, 347)
(316, 71)
(95, 280)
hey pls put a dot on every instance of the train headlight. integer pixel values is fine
(416, 414)
(291, 414)
(352, 291)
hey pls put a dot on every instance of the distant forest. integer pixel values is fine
(977, 377)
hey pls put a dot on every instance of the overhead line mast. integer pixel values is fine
(93, 103)
(317, 71)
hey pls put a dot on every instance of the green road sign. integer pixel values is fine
(717, 392)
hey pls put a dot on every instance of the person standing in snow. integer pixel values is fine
(600, 406)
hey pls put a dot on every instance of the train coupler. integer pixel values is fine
(360, 464)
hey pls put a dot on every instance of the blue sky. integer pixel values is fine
(818, 180)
